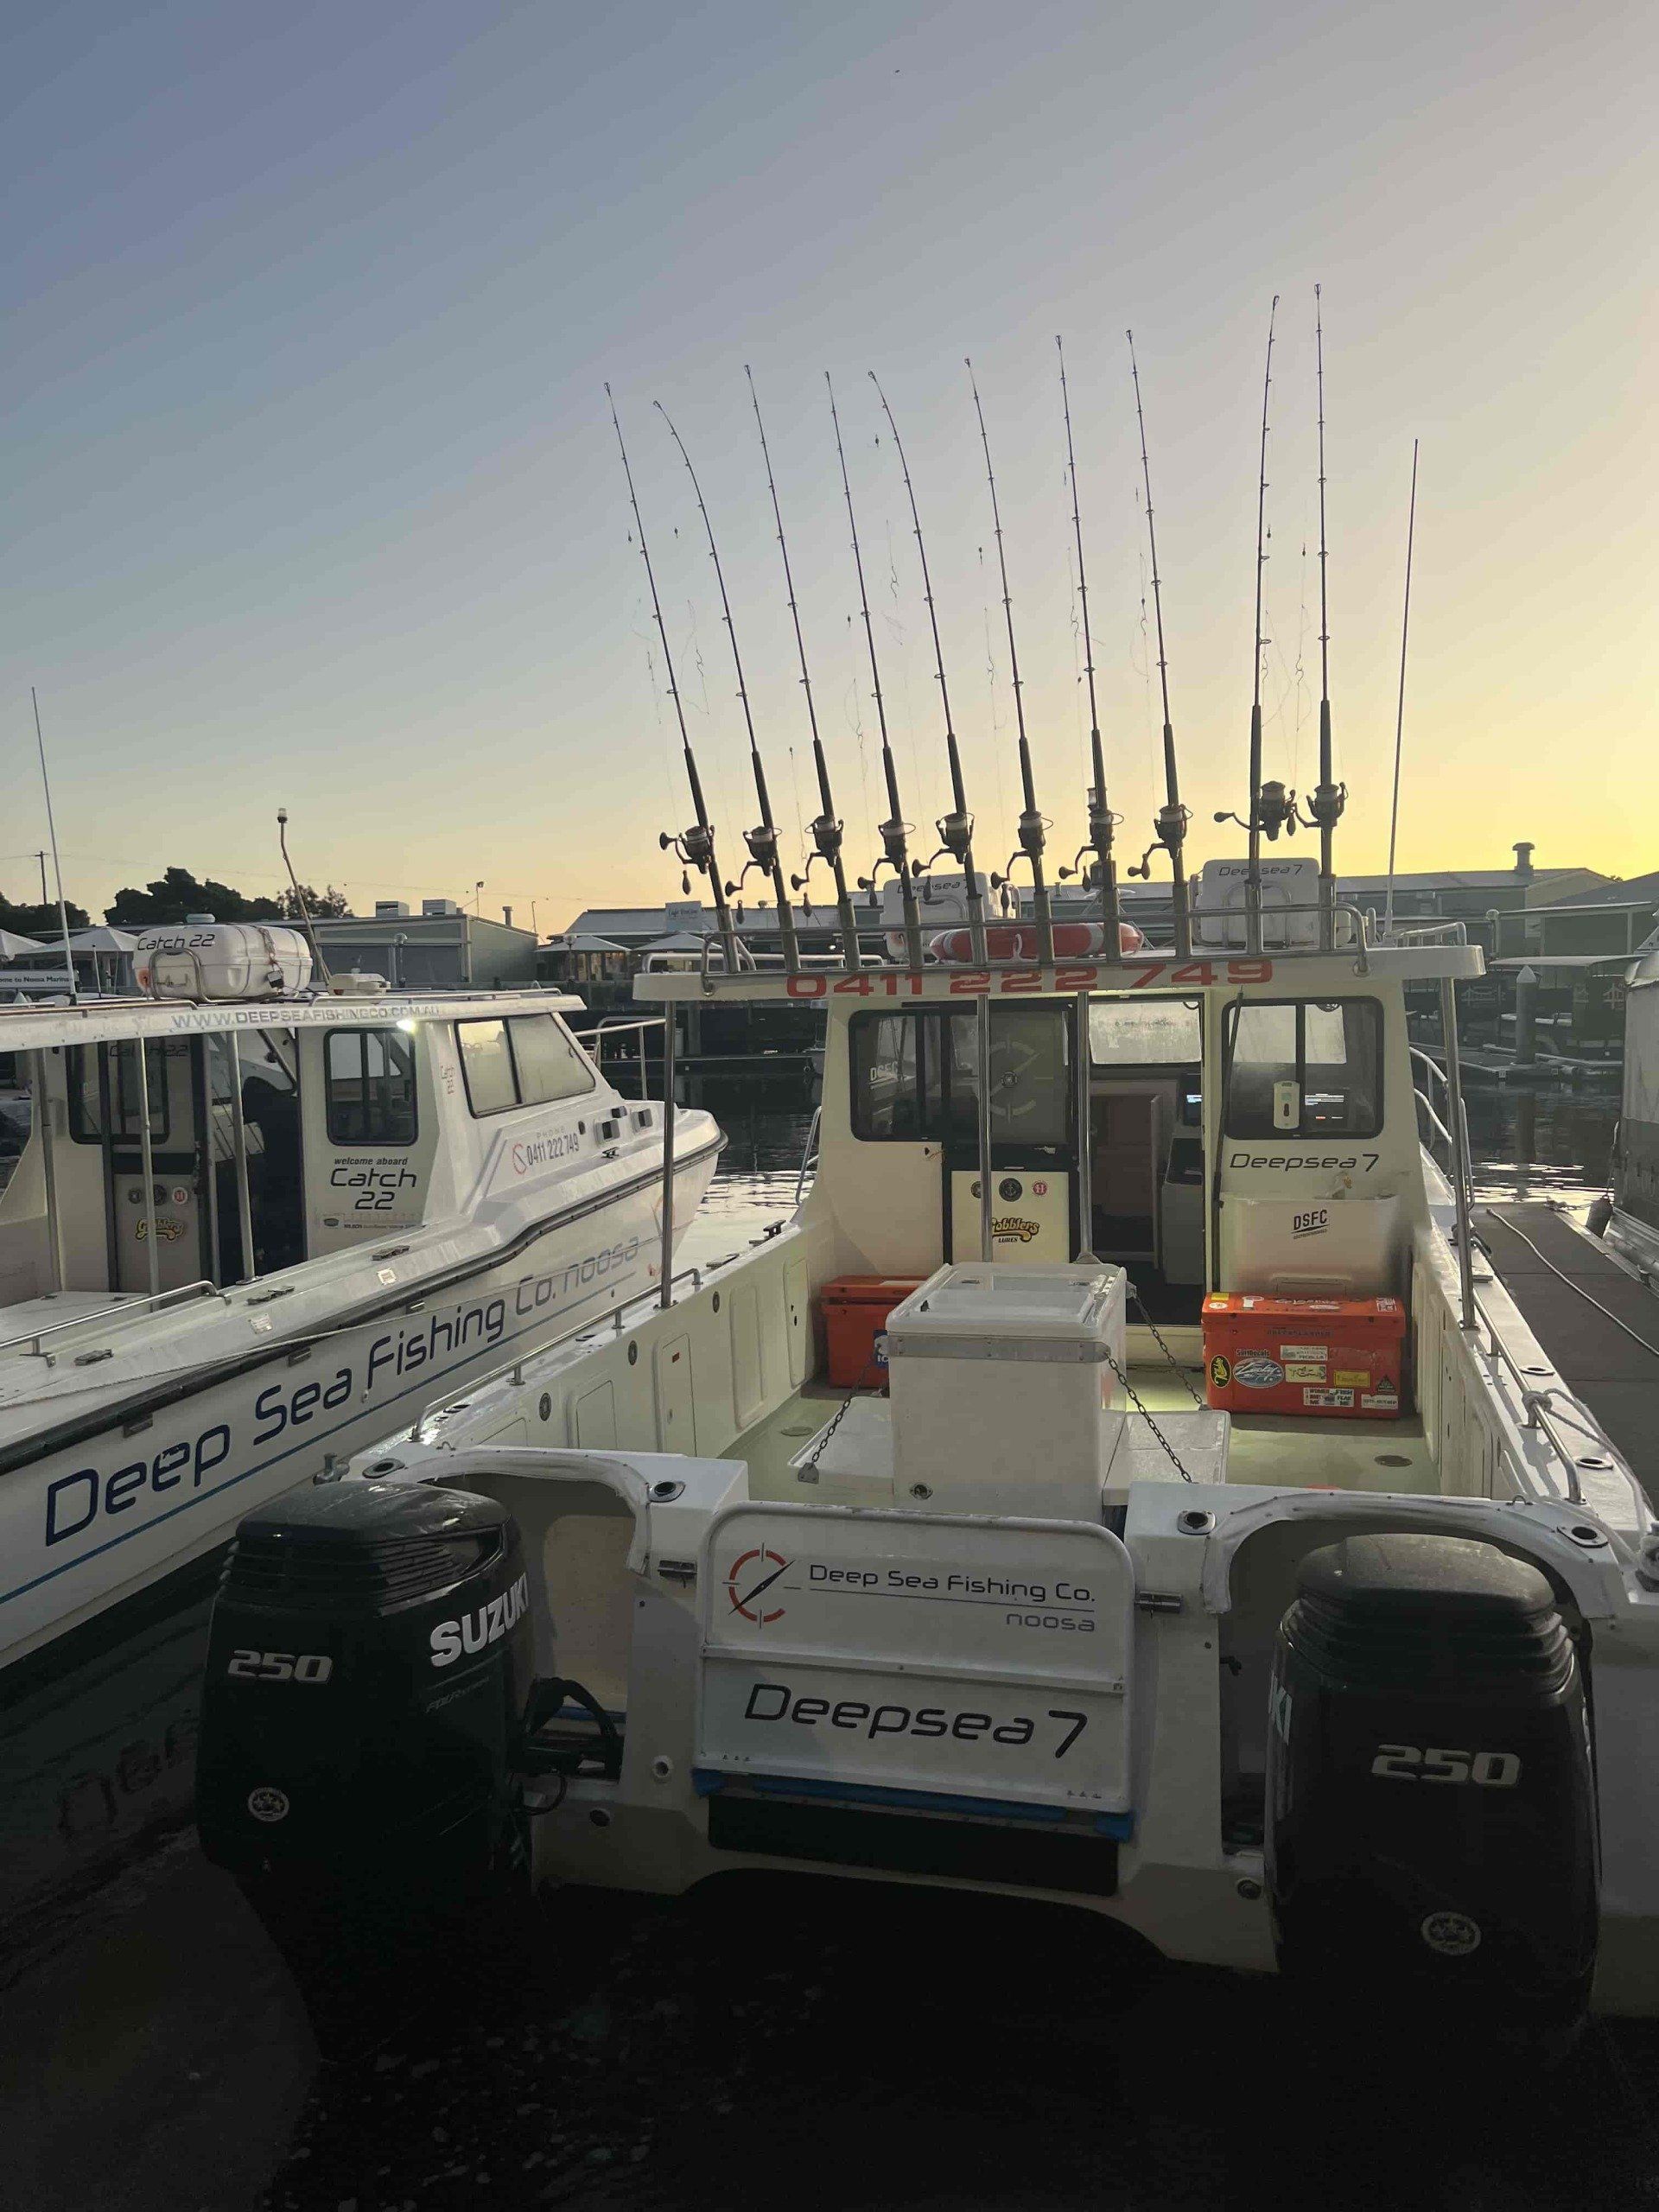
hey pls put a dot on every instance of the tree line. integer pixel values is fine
(173, 896)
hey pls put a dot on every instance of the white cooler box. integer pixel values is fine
(1004, 1399)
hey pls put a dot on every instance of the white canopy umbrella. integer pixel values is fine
(12, 946)
(101, 939)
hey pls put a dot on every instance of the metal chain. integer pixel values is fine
(808, 1470)
(1136, 1401)
(1157, 1337)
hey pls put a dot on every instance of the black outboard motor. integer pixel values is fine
(368, 1670)
(1431, 1835)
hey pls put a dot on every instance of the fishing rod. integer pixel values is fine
(763, 841)
(955, 828)
(1325, 808)
(1102, 820)
(1272, 807)
(1032, 824)
(693, 848)
(1169, 823)
(827, 829)
(895, 829)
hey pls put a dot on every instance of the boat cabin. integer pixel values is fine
(1246, 1124)
(199, 1145)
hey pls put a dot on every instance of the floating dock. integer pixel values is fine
(1598, 1324)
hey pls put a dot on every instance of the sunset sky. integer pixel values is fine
(312, 497)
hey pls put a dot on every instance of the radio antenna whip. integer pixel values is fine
(827, 829)
(763, 841)
(1400, 710)
(1272, 807)
(1169, 823)
(1102, 821)
(955, 828)
(1032, 824)
(693, 848)
(1326, 807)
(895, 829)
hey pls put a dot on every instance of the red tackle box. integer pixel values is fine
(1332, 1358)
(855, 1310)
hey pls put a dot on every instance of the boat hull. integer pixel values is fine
(92, 1521)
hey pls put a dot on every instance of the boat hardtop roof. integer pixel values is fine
(1160, 970)
(96, 1021)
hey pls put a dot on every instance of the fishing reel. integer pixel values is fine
(1325, 806)
(693, 848)
(1102, 823)
(956, 832)
(763, 855)
(1031, 845)
(1169, 824)
(826, 835)
(1276, 810)
(895, 854)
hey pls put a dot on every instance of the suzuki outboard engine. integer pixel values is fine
(1431, 1828)
(369, 1666)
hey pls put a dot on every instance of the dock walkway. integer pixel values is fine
(1600, 1326)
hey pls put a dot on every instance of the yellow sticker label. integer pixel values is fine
(1305, 1370)
(1353, 1378)
(1221, 1371)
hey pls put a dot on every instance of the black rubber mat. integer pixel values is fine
(1531, 1248)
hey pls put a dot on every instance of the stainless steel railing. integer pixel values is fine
(123, 1310)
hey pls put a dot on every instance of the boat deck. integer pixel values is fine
(1561, 1278)
(20, 1323)
(1272, 1449)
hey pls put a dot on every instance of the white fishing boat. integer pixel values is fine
(1034, 1621)
(1630, 1217)
(1120, 1483)
(250, 1220)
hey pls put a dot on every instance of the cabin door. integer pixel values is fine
(104, 1110)
(1032, 1134)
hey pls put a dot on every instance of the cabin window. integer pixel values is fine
(486, 1064)
(915, 1076)
(370, 1086)
(545, 1056)
(85, 1113)
(1302, 1069)
(1144, 1033)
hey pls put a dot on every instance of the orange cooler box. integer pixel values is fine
(1332, 1359)
(855, 1310)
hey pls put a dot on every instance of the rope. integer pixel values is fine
(1606, 1311)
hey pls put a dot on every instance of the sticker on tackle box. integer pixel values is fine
(1316, 1398)
(1385, 1399)
(1321, 1352)
(1305, 1370)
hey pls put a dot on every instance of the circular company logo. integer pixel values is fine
(749, 1578)
(1453, 1934)
(268, 1804)
(1221, 1371)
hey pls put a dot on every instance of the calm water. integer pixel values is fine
(96, 1763)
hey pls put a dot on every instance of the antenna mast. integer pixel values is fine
(955, 828)
(1169, 823)
(693, 848)
(895, 829)
(1325, 808)
(1399, 711)
(827, 829)
(763, 841)
(1032, 824)
(1102, 821)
